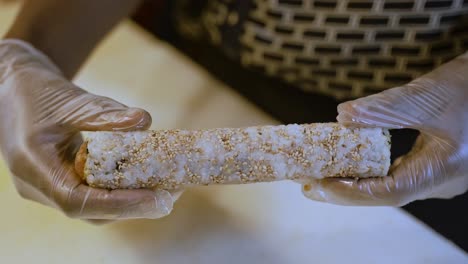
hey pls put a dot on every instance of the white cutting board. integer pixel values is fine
(265, 223)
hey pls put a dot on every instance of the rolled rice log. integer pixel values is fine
(171, 159)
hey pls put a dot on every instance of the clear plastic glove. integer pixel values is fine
(41, 116)
(437, 167)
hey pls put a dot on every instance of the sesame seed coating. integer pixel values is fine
(170, 159)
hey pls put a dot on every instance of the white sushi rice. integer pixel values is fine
(171, 159)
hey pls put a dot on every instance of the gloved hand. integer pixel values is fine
(436, 104)
(41, 116)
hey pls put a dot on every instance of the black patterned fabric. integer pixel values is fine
(340, 48)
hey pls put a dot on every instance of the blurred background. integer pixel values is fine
(263, 223)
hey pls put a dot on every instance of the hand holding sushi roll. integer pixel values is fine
(41, 115)
(437, 167)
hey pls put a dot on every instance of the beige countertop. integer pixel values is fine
(263, 223)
